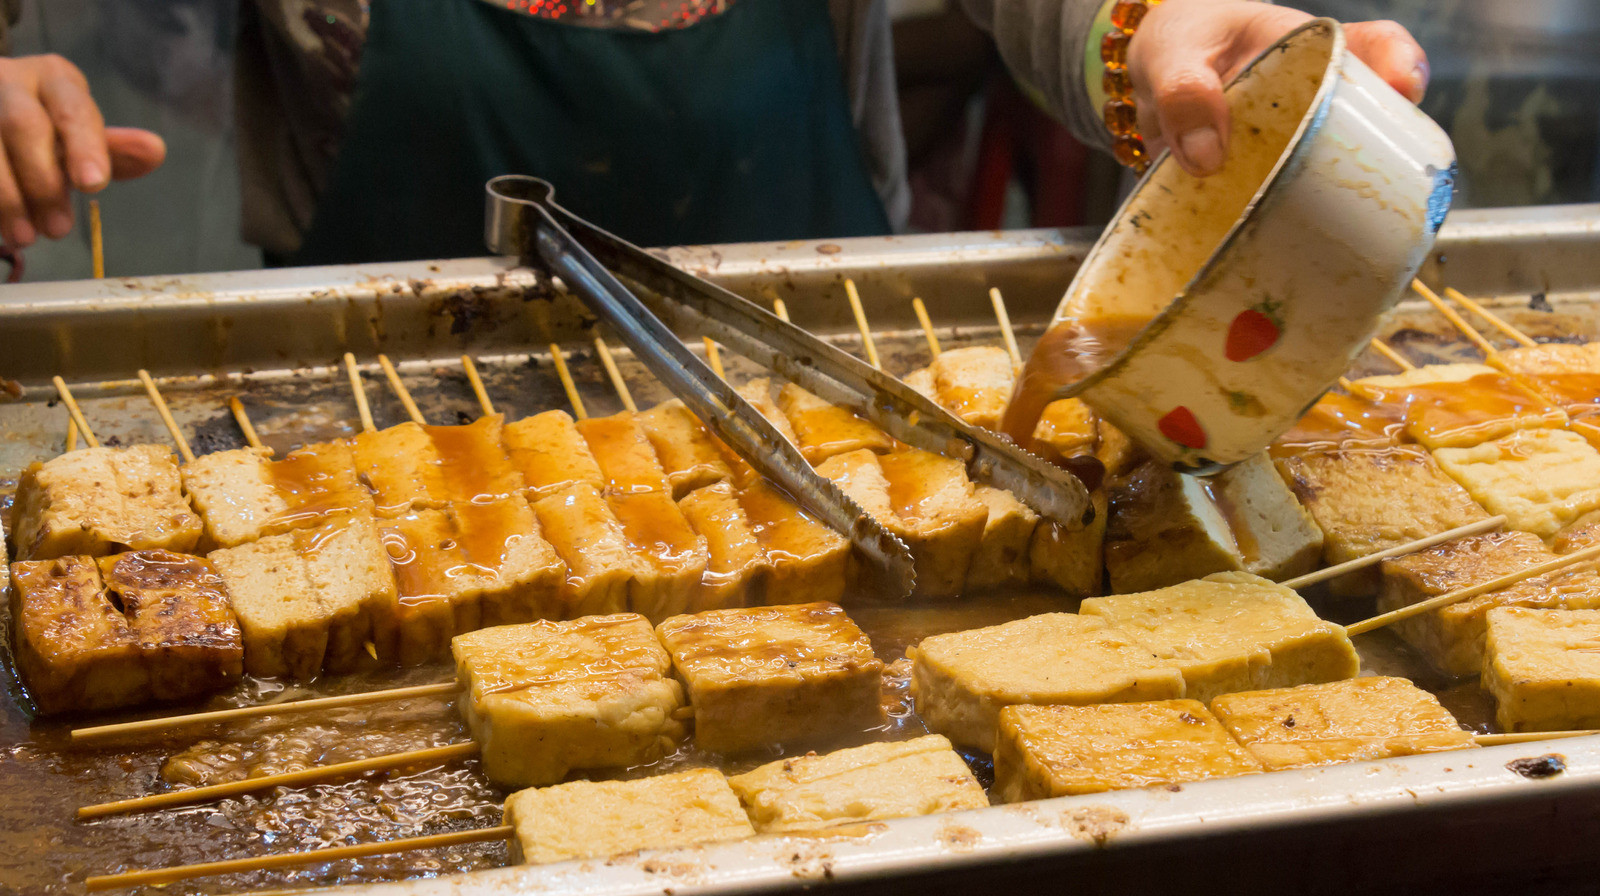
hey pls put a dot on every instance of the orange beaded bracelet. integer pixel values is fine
(1119, 113)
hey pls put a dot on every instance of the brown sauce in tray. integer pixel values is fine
(1067, 352)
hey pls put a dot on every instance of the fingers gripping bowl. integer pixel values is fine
(1213, 312)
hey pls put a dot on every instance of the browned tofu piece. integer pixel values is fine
(1366, 500)
(1452, 637)
(282, 617)
(670, 554)
(348, 566)
(473, 461)
(774, 675)
(1072, 559)
(810, 562)
(234, 494)
(627, 462)
(1166, 528)
(940, 517)
(601, 564)
(1461, 405)
(400, 466)
(550, 453)
(1067, 428)
(1339, 721)
(1581, 533)
(762, 395)
(692, 457)
(824, 429)
(1567, 374)
(975, 383)
(318, 483)
(436, 593)
(99, 501)
(1050, 751)
(517, 573)
(921, 380)
(737, 565)
(1002, 555)
(1114, 449)
(1339, 420)
(74, 650)
(180, 616)
(1543, 668)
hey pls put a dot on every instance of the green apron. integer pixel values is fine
(733, 128)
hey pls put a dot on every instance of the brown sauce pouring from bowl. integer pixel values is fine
(1068, 352)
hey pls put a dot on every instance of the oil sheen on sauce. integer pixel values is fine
(1068, 352)
(1339, 420)
(1461, 414)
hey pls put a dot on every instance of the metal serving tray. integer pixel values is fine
(1470, 821)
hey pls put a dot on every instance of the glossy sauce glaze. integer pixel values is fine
(1462, 414)
(1341, 420)
(1067, 352)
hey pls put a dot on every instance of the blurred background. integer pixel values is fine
(1517, 85)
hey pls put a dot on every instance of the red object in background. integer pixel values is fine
(1053, 162)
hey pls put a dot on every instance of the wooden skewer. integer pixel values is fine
(360, 391)
(190, 795)
(400, 390)
(713, 356)
(870, 347)
(72, 435)
(97, 243)
(76, 412)
(615, 375)
(1346, 385)
(156, 877)
(1006, 332)
(168, 723)
(565, 376)
(482, 394)
(1522, 737)
(1495, 584)
(927, 326)
(249, 429)
(1421, 544)
(1494, 320)
(166, 416)
(780, 309)
(1456, 320)
(1394, 357)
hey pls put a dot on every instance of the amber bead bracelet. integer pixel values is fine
(1121, 116)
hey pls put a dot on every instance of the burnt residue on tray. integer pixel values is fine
(1539, 767)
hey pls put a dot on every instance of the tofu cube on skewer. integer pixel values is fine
(400, 466)
(1340, 420)
(670, 556)
(810, 563)
(961, 680)
(435, 598)
(627, 463)
(874, 782)
(1342, 721)
(763, 396)
(99, 501)
(551, 454)
(1567, 374)
(318, 482)
(242, 495)
(692, 457)
(825, 429)
(1050, 751)
(546, 698)
(347, 565)
(1072, 559)
(74, 649)
(601, 564)
(473, 462)
(597, 819)
(974, 382)
(517, 573)
(1461, 405)
(1541, 480)
(775, 675)
(182, 619)
(283, 620)
(1543, 668)
(1067, 428)
(1002, 555)
(737, 566)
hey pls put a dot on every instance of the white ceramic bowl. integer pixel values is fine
(1266, 279)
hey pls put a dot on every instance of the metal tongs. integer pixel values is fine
(523, 220)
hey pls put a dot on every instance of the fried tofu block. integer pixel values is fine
(517, 574)
(627, 462)
(672, 557)
(1165, 528)
(975, 383)
(810, 563)
(1580, 533)
(348, 566)
(1567, 374)
(550, 453)
(435, 594)
(763, 396)
(1067, 428)
(401, 468)
(692, 457)
(1543, 668)
(596, 819)
(921, 380)
(1002, 555)
(1276, 537)
(737, 565)
(1072, 559)
(473, 461)
(318, 482)
(1050, 751)
(1461, 405)
(74, 650)
(940, 517)
(1341, 721)
(774, 675)
(824, 429)
(874, 782)
(546, 698)
(1232, 632)
(601, 565)
(1339, 420)
(234, 495)
(281, 616)
(1451, 638)
(179, 614)
(961, 680)
(1368, 500)
(1540, 479)
(1115, 451)
(98, 501)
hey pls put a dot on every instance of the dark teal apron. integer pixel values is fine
(734, 128)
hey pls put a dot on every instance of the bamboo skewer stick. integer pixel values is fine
(615, 375)
(166, 416)
(1421, 544)
(1495, 584)
(713, 356)
(146, 726)
(190, 795)
(565, 376)
(72, 435)
(476, 381)
(1456, 320)
(76, 412)
(1006, 332)
(249, 429)
(159, 876)
(870, 347)
(401, 391)
(97, 243)
(780, 309)
(1394, 357)
(362, 408)
(1522, 737)
(1494, 320)
(927, 326)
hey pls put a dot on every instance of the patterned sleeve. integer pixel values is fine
(1042, 43)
